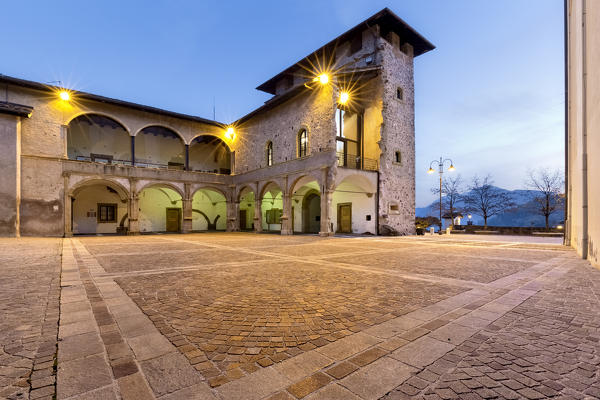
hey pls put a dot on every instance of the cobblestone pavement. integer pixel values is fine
(29, 293)
(246, 316)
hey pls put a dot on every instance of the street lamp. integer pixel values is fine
(441, 163)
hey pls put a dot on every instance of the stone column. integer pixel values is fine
(187, 209)
(286, 218)
(68, 207)
(258, 215)
(133, 209)
(233, 212)
(326, 197)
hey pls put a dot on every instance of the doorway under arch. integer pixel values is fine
(311, 212)
(160, 209)
(246, 211)
(98, 208)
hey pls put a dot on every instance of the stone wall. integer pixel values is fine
(397, 180)
(10, 131)
(312, 110)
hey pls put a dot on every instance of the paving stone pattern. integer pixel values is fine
(246, 316)
(548, 346)
(29, 311)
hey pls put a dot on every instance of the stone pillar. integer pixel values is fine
(326, 197)
(233, 212)
(68, 207)
(10, 175)
(286, 218)
(258, 215)
(187, 209)
(133, 209)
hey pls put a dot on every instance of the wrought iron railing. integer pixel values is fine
(356, 162)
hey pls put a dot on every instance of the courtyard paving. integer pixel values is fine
(246, 316)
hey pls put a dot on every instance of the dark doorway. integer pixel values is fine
(311, 212)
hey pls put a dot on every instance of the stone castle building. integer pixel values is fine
(332, 151)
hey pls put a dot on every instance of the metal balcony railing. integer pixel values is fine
(356, 162)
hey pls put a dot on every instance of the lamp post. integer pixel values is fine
(441, 163)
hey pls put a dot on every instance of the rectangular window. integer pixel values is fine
(398, 157)
(400, 94)
(107, 213)
(348, 138)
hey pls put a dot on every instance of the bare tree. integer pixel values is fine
(485, 199)
(549, 186)
(451, 192)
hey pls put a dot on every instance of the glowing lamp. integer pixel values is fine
(430, 171)
(64, 95)
(344, 97)
(451, 168)
(323, 79)
(230, 133)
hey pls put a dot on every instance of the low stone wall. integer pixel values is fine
(504, 230)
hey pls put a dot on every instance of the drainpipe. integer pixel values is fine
(567, 224)
(584, 166)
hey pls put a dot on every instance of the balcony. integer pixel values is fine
(353, 161)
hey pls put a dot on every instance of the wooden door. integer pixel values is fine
(345, 218)
(243, 220)
(173, 220)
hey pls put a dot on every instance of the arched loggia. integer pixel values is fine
(209, 154)
(159, 147)
(98, 138)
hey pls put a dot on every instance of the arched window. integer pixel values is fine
(302, 143)
(269, 154)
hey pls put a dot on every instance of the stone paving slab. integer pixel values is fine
(505, 320)
(29, 312)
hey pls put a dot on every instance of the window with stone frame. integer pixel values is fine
(269, 154)
(302, 143)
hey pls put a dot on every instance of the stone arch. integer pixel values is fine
(263, 188)
(158, 146)
(120, 189)
(211, 135)
(299, 180)
(357, 179)
(163, 184)
(103, 114)
(98, 137)
(213, 188)
(209, 153)
(250, 187)
(162, 125)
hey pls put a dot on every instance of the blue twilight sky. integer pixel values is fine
(490, 96)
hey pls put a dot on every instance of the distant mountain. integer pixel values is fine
(522, 214)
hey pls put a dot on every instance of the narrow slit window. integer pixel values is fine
(269, 154)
